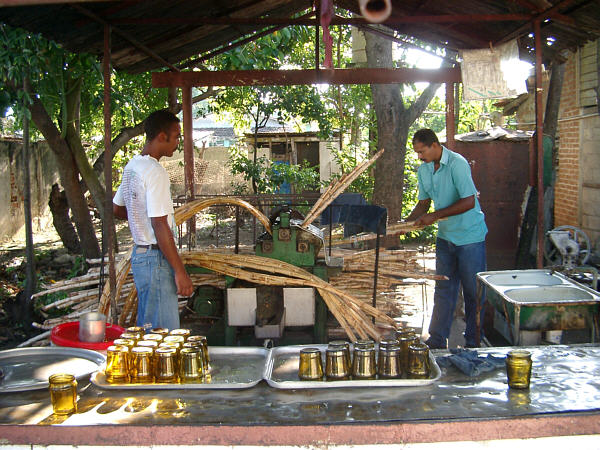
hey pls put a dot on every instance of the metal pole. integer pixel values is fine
(109, 222)
(330, 227)
(450, 127)
(317, 44)
(30, 281)
(539, 131)
(376, 271)
(237, 229)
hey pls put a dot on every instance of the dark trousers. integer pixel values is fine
(460, 263)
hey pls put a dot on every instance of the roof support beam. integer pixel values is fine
(197, 61)
(337, 20)
(44, 2)
(305, 76)
(525, 29)
(126, 36)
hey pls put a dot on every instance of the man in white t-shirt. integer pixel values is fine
(144, 199)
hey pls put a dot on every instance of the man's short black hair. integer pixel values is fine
(158, 121)
(426, 137)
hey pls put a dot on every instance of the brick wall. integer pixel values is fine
(567, 195)
(577, 192)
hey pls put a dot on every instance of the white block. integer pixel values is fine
(299, 304)
(241, 307)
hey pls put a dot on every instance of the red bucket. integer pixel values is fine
(67, 335)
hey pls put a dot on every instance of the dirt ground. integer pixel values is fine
(212, 230)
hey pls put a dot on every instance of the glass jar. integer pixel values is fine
(63, 393)
(418, 361)
(518, 369)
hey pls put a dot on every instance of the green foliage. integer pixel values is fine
(51, 69)
(270, 177)
(44, 300)
(79, 267)
(348, 159)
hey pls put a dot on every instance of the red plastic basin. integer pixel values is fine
(67, 335)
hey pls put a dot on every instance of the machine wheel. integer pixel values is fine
(552, 254)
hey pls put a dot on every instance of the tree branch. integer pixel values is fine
(128, 133)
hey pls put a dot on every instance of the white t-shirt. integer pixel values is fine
(145, 191)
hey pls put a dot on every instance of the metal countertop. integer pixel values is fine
(565, 379)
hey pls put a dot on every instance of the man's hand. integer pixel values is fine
(185, 288)
(426, 219)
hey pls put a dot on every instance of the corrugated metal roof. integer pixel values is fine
(176, 30)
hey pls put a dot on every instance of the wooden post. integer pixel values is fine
(188, 157)
(109, 221)
(539, 131)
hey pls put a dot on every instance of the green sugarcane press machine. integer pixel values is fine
(249, 314)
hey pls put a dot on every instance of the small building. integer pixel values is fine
(294, 148)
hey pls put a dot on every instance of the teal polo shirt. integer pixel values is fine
(451, 182)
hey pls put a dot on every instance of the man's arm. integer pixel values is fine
(420, 208)
(166, 243)
(120, 212)
(458, 207)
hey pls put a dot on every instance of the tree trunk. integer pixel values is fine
(393, 124)
(69, 176)
(90, 178)
(61, 220)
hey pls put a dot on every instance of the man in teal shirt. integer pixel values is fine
(445, 178)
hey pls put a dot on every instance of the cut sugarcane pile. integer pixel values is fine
(394, 267)
(399, 227)
(354, 315)
(80, 295)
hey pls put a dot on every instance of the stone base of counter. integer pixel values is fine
(353, 434)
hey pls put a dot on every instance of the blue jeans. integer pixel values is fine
(157, 293)
(460, 263)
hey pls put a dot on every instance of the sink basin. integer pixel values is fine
(521, 278)
(548, 294)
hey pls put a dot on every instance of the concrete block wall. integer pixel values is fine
(589, 210)
(43, 174)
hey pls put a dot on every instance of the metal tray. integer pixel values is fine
(281, 371)
(27, 369)
(232, 368)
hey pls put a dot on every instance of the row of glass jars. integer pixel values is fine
(160, 356)
(402, 356)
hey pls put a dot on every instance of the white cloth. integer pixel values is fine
(493, 73)
(145, 191)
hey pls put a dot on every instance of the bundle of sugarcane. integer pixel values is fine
(396, 254)
(351, 313)
(352, 281)
(122, 271)
(335, 189)
(399, 227)
(392, 263)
